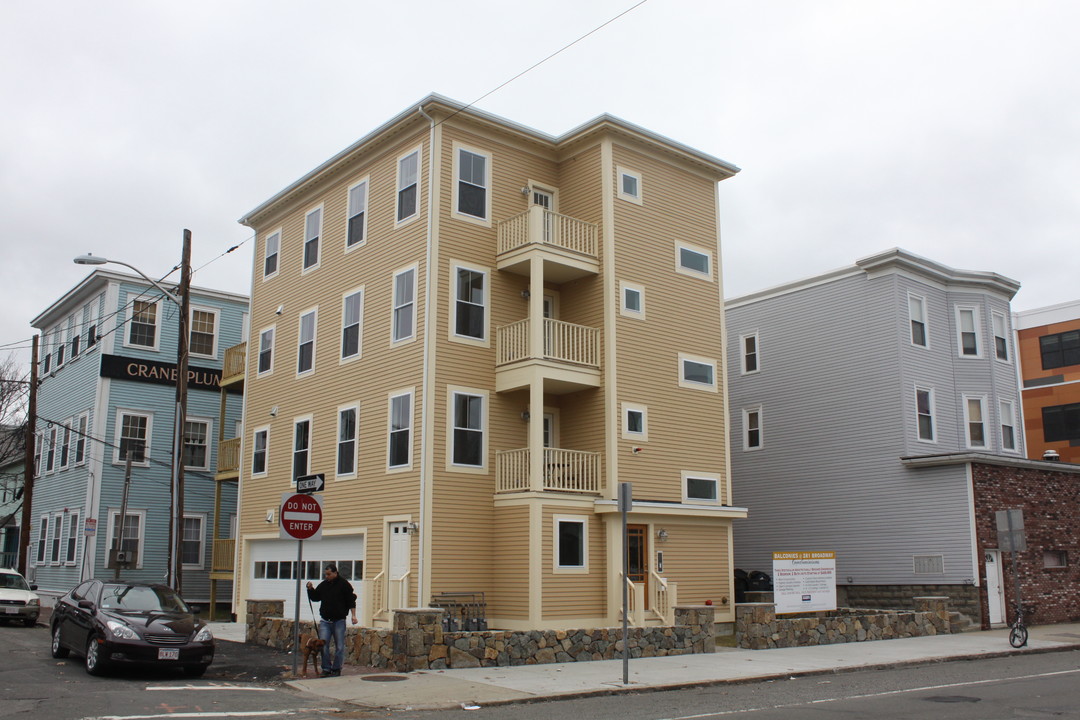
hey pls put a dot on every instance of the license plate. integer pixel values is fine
(168, 654)
(11, 610)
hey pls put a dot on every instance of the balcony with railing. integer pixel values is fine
(223, 557)
(568, 246)
(228, 460)
(570, 356)
(567, 471)
(232, 369)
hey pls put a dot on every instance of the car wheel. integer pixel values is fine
(58, 650)
(95, 663)
(194, 671)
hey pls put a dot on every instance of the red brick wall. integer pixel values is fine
(1051, 504)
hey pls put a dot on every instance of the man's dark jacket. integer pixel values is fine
(336, 598)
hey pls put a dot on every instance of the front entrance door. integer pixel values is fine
(995, 587)
(637, 548)
(543, 198)
(398, 563)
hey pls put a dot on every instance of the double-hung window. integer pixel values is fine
(131, 534)
(473, 174)
(259, 450)
(924, 414)
(191, 544)
(967, 323)
(43, 539)
(266, 351)
(197, 444)
(749, 345)
(301, 448)
(468, 429)
(399, 453)
(305, 351)
(1060, 349)
(404, 315)
(60, 347)
(752, 430)
(470, 306)
(75, 335)
(74, 530)
(143, 327)
(203, 340)
(65, 447)
(271, 251)
(975, 420)
(133, 431)
(92, 324)
(82, 430)
(408, 183)
(1007, 417)
(352, 313)
(312, 232)
(356, 231)
(917, 313)
(50, 453)
(57, 534)
(1001, 340)
(346, 444)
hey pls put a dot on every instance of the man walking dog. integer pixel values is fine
(336, 600)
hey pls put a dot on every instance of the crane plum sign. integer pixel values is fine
(804, 581)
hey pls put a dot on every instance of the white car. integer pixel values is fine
(17, 599)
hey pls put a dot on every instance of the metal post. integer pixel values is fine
(118, 536)
(28, 463)
(1016, 570)
(296, 609)
(625, 495)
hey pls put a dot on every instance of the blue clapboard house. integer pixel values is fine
(107, 365)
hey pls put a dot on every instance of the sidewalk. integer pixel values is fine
(429, 690)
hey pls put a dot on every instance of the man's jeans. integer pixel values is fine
(337, 629)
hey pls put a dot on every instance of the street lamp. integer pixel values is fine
(182, 299)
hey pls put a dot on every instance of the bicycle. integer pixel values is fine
(1018, 632)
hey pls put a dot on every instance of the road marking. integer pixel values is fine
(212, 714)
(720, 713)
(210, 687)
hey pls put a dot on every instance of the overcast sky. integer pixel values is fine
(951, 129)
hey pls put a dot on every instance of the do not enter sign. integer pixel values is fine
(301, 516)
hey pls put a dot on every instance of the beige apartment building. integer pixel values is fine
(476, 331)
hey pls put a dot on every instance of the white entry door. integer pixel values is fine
(995, 587)
(398, 586)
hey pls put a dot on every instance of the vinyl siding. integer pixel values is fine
(510, 589)
(573, 595)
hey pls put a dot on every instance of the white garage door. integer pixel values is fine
(272, 568)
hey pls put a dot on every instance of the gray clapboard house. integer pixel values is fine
(834, 380)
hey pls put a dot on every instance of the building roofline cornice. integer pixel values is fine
(918, 461)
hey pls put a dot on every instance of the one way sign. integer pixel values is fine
(310, 483)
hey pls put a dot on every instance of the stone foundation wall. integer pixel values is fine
(417, 641)
(962, 598)
(758, 628)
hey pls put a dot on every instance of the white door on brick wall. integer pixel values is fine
(272, 564)
(995, 587)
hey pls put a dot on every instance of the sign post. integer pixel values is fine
(1011, 537)
(301, 519)
(626, 503)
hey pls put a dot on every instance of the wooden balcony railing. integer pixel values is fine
(544, 227)
(563, 342)
(228, 459)
(223, 556)
(234, 363)
(574, 471)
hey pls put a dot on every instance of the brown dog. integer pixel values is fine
(311, 645)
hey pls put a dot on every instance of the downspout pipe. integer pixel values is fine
(425, 439)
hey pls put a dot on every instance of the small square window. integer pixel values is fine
(635, 422)
(570, 545)
(633, 300)
(629, 185)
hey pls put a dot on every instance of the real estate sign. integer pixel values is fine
(804, 581)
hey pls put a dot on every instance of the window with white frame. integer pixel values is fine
(346, 443)
(357, 215)
(1001, 340)
(305, 350)
(92, 324)
(473, 173)
(693, 260)
(1007, 416)
(752, 428)
(571, 546)
(131, 538)
(408, 183)
(917, 316)
(57, 530)
(38, 441)
(203, 340)
(82, 432)
(633, 300)
(191, 544)
(352, 315)
(924, 414)
(697, 372)
(975, 421)
(271, 251)
(259, 451)
(312, 233)
(74, 530)
(65, 446)
(470, 306)
(75, 338)
(60, 346)
(266, 351)
(197, 444)
(399, 452)
(635, 425)
(468, 438)
(967, 323)
(404, 313)
(142, 330)
(132, 437)
(700, 488)
(301, 464)
(50, 452)
(749, 344)
(43, 539)
(629, 185)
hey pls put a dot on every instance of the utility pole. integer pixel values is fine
(28, 462)
(118, 534)
(176, 522)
